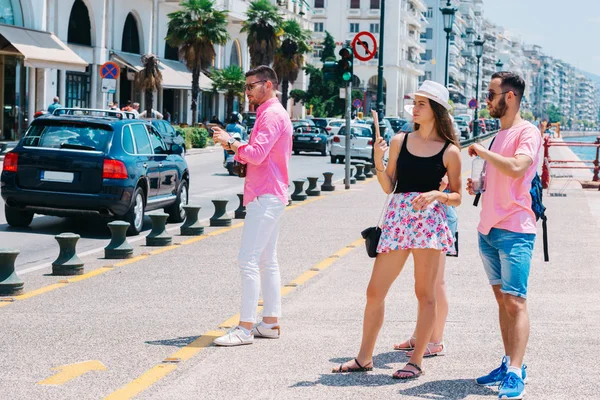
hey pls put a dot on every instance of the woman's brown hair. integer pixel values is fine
(443, 123)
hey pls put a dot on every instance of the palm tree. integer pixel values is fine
(232, 80)
(148, 80)
(194, 30)
(289, 57)
(262, 26)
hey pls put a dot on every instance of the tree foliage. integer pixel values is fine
(554, 114)
(328, 48)
(262, 26)
(231, 80)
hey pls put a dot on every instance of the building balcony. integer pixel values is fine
(413, 19)
(468, 53)
(237, 8)
(419, 5)
(412, 67)
(414, 42)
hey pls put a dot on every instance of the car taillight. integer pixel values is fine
(114, 169)
(328, 128)
(10, 162)
(371, 142)
(336, 139)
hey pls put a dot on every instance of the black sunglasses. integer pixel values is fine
(250, 86)
(491, 95)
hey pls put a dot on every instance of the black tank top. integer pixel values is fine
(419, 174)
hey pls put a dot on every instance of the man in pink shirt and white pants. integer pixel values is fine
(507, 226)
(267, 157)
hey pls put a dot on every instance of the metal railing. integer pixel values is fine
(479, 138)
(551, 163)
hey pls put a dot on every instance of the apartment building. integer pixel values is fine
(404, 22)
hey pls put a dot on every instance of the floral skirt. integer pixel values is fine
(406, 228)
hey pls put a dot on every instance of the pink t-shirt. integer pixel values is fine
(506, 202)
(268, 153)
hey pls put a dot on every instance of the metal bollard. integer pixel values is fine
(312, 187)
(118, 248)
(368, 170)
(299, 194)
(191, 226)
(10, 283)
(328, 186)
(240, 213)
(158, 236)
(352, 178)
(220, 217)
(360, 176)
(67, 263)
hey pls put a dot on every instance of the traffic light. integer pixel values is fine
(330, 70)
(345, 67)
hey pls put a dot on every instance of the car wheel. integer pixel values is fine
(176, 211)
(333, 159)
(324, 151)
(135, 215)
(296, 152)
(17, 218)
(341, 159)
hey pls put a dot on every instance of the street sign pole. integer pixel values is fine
(380, 111)
(348, 131)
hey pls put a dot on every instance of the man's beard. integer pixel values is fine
(499, 110)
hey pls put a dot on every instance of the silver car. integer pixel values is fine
(361, 143)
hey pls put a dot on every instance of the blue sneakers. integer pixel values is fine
(512, 387)
(496, 377)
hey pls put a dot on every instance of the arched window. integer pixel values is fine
(235, 58)
(80, 29)
(131, 36)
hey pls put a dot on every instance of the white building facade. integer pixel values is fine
(404, 22)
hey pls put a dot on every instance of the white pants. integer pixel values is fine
(258, 258)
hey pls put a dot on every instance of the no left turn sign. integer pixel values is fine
(364, 46)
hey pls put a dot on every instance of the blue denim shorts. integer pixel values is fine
(506, 259)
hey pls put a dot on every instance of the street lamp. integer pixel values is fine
(478, 53)
(448, 13)
(499, 65)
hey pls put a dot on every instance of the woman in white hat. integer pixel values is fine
(415, 221)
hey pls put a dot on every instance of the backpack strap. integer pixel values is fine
(545, 238)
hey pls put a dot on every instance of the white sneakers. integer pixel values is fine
(237, 337)
(270, 333)
(234, 337)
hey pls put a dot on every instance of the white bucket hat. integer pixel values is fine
(434, 91)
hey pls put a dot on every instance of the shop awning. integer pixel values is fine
(174, 73)
(39, 49)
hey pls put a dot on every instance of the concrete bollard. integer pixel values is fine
(360, 176)
(312, 187)
(352, 178)
(118, 248)
(10, 283)
(299, 194)
(369, 170)
(158, 236)
(240, 213)
(220, 217)
(191, 226)
(328, 186)
(67, 263)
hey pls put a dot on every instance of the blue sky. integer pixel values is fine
(568, 30)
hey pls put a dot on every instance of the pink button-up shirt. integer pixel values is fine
(268, 153)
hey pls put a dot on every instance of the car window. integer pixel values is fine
(67, 136)
(320, 122)
(157, 143)
(140, 136)
(159, 125)
(128, 141)
(357, 131)
(337, 123)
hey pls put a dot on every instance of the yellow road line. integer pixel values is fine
(72, 371)
(156, 373)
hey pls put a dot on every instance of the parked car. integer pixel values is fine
(389, 131)
(407, 128)
(310, 139)
(95, 162)
(322, 122)
(361, 143)
(465, 117)
(481, 123)
(168, 133)
(335, 125)
(463, 127)
(249, 119)
(396, 123)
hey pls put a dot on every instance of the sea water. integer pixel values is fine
(584, 153)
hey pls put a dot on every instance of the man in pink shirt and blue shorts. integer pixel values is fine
(507, 226)
(267, 157)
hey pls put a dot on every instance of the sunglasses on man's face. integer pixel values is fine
(491, 95)
(250, 86)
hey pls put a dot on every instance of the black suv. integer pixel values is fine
(81, 161)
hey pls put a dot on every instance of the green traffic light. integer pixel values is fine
(347, 76)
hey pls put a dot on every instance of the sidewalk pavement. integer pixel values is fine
(134, 315)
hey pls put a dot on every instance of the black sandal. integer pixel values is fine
(350, 369)
(414, 374)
